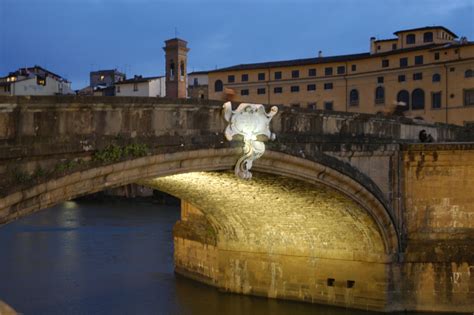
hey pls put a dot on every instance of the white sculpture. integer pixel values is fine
(250, 121)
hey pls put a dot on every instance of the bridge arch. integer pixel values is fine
(338, 176)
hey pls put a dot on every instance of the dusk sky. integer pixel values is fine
(73, 37)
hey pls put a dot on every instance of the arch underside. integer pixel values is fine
(363, 212)
(279, 215)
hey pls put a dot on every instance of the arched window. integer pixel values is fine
(218, 86)
(428, 37)
(172, 70)
(418, 99)
(468, 73)
(436, 77)
(379, 95)
(411, 38)
(181, 68)
(354, 97)
(403, 99)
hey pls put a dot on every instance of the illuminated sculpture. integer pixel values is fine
(253, 123)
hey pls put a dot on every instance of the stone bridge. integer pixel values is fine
(344, 209)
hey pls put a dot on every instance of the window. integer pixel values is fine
(295, 74)
(245, 77)
(469, 97)
(418, 99)
(328, 71)
(436, 77)
(171, 69)
(278, 75)
(196, 82)
(403, 98)
(354, 68)
(277, 90)
(312, 105)
(418, 60)
(295, 88)
(328, 86)
(182, 71)
(379, 79)
(418, 76)
(379, 95)
(135, 87)
(468, 73)
(312, 72)
(261, 76)
(403, 62)
(328, 105)
(295, 105)
(261, 91)
(452, 69)
(410, 39)
(394, 46)
(378, 47)
(436, 56)
(231, 78)
(118, 88)
(385, 63)
(311, 87)
(428, 37)
(40, 81)
(218, 86)
(354, 97)
(401, 78)
(436, 100)
(341, 70)
(244, 92)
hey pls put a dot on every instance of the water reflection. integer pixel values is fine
(112, 258)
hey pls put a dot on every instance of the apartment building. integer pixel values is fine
(427, 71)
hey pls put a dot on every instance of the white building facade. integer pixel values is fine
(198, 78)
(34, 81)
(140, 86)
(198, 87)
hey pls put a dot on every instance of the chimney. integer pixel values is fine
(372, 45)
(320, 54)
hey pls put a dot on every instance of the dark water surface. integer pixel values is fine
(113, 257)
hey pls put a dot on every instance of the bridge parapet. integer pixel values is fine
(39, 119)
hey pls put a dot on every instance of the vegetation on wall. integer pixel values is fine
(110, 154)
(113, 152)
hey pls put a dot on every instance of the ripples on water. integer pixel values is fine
(112, 257)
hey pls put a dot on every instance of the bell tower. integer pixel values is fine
(176, 56)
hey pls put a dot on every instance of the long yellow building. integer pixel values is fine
(426, 71)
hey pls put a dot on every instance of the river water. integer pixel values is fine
(112, 257)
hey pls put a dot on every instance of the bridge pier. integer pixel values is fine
(352, 284)
(317, 247)
(410, 285)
